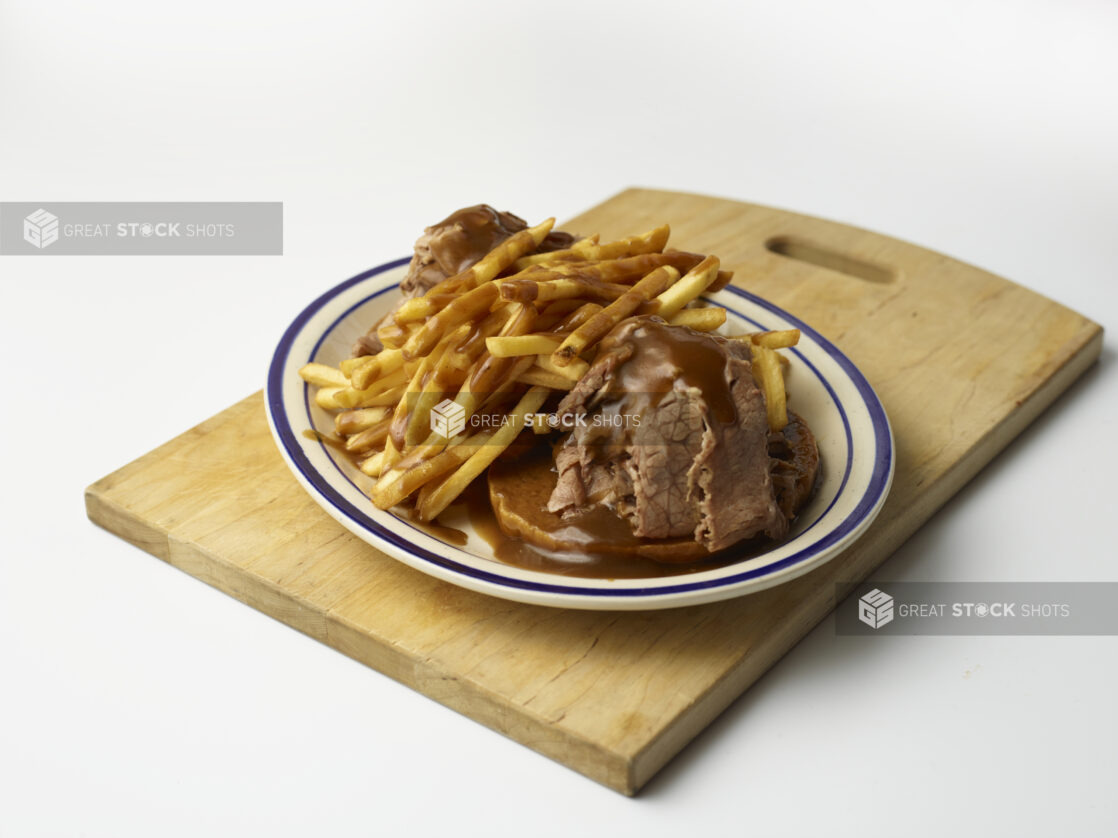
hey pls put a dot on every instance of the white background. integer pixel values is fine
(135, 700)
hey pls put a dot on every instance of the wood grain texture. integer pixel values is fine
(962, 360)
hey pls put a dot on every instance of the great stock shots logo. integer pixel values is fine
(974, 608)
(448, 418)
(141, 228)
(40, 228)
(875, 609)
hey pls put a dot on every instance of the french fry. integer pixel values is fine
(384, 363)
(389, 456)
(483, 456)
(372, 465)
(470, 306)
(350, 398)
(575, 370)
(578, 317)
(532, 291)
(508, 251)
(564, 316)
(596, 327)
(537, 376)
(722, 280)
(779, 339)
(425, 491)
(393, 335)
(457, 284)
(434, 385)
(651, 242)
(561, 309)
(418, 308)
(355, 421)
(450, 372)
(383, 398)
(350, 365)
(469, 350)
(321, 375)
(398, 430)
(368, 439)
(553, 314)
(700, 319)
(576, 251)
(488, 370)
(407, 477)
(504, 382)
(623, 271)
(521, 319)
(490, 379)
(767, 365)
(509, 346)
(690, 286)
(327, 398)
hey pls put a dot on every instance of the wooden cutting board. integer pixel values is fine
(962, 360)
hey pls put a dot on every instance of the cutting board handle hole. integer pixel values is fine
(813, 254)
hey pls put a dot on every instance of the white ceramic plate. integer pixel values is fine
(855, 445)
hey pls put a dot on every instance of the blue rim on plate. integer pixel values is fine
(399, 537)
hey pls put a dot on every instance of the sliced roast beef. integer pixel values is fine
(795, 464)
(673, 437)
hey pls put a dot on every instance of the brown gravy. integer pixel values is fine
(601, 535)
(334, 442)
(451, 535)
(663, 355)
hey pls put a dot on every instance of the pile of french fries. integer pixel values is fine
(496, 341)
